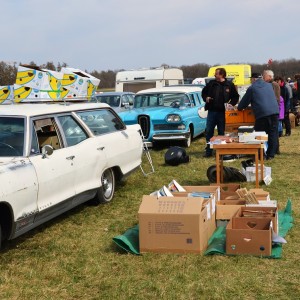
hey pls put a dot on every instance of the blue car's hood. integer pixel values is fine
(152, 112)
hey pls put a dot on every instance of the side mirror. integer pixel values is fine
(47, 150)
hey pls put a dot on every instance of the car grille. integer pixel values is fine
(166, 127)
(144, 122)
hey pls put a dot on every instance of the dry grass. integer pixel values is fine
(73, 256)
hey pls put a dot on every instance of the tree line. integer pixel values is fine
(285, 68)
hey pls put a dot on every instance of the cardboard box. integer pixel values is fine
(250, 173)
(226, 209)
(172, 225)
(260, 194)
(227, 190)
(255, 136)
(249, 236)
(260, 212)
(210, 205)
(292, 118)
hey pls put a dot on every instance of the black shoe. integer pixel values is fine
(207, 155)
(278, 152)
(269, 157)
(288, 134)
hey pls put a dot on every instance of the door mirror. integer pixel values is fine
(47, 150)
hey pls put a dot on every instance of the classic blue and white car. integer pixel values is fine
(168, 113)
(54, 157)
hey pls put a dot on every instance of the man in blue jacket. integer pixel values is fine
(265, 107)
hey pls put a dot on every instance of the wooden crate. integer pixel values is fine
(234, 127)
(234, 116)
(249, 116)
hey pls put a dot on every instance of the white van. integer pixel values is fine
(136, 80)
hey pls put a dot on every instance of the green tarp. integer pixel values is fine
(129, 241)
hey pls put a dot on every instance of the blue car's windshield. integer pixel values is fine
(11, 136)
(161, 99)
(113, 101)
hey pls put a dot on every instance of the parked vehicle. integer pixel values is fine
(137, 80)
(119, 101)
(54, 157)
(168, 113)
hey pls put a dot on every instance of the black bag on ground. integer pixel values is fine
(175, 156)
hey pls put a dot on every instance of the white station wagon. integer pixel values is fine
(54, 157)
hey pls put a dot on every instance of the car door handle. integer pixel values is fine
(101, 148)
(70, 157)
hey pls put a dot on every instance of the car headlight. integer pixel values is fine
(173, 118)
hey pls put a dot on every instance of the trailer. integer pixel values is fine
(241, 73)
(137, 80)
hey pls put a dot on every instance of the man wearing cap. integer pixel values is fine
(265, 107)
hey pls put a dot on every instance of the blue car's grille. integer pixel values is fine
(166, 127)
(144, 122)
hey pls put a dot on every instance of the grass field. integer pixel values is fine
(73, 256)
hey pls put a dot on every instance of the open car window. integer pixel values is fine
(101, 121)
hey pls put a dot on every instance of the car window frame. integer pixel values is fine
(25, 145)
(101, 109)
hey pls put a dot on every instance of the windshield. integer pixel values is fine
(113, 101)
(11, 136)
(161, 99)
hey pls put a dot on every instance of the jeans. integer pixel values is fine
(269, 124)
(214, 118)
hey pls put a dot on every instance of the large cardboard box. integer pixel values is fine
(249, 236)
(209, 203)
(172, 225)
(250, 173)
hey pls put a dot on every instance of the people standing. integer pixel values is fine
(268, 76)
(215, 94)
(284, 93)
(265, 107)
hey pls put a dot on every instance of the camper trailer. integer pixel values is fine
(136, 80)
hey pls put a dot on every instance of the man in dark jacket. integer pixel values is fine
(265, 107)
(215, 94)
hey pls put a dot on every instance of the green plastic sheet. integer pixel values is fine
(217, 243)
(129, 241)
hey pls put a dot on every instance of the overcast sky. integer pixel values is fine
(106, 35)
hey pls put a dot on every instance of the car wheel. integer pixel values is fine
(187, 143)
(106, 191)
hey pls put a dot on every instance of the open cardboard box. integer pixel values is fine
(259, 212)
(172, 225)
(249, 236)
(226, 209)
(209, 203)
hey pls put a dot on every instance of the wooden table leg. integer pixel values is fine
(262, 162)
(218, 166)
(256, 170)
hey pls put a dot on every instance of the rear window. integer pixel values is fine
(12, 136)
